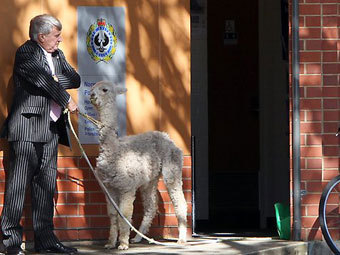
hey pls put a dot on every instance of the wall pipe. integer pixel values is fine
(296, 123)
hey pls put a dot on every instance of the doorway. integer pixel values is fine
(247, 135)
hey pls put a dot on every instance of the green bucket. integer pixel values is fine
(282, 213)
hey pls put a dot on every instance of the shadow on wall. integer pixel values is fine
(169, 85)
(169, 88)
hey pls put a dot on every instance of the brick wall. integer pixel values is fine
(319, 81)
(80, 211)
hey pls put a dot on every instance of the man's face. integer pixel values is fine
(50, 42)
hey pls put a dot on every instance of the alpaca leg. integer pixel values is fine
(112, 212)
(126, 207)
(177, 197)
(150, 205)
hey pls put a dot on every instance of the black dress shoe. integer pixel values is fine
(56, 248)
(14, 250)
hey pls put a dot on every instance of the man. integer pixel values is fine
(33, 128)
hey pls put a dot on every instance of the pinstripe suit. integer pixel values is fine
(33, 140)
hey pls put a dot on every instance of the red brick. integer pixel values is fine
(312, 210)
(329, 9)
(67, 162)
(331, 151)
(310, 127)
(311, 174)
(331, 116)
(330, 21)
(188, 196)
(65, 235)
(67, 186)
(186, 173)
(161, 186)
(310, 80)
(314, 139)
(186, 185)
(89, 186)
(329, 33)
(330, 139)
(313, 44)
(329, 44)
(330, 80)
(97, 197)
(330, 92)
(99, 222)
(2, 186)
(311, 151)
(78, 174)
(331, 162)
(60, 198)
(313, 115)
(168, 220)
(66, 210)
(329, 174)
(330, 127)
(313, 21)
(77, 222)
(313, 69)
(94, 234)
(76, 198)
(186, 161)
(92, 209)
(314, 163)
(83, 163)
(330, 104)
(61, 174)
(315, 186)
(60, 222)
(309, 9)
(310, 104)
(164, 197)
(310, 33)
(329, 57)
(308, 222)
(310, 56)
(330, 68)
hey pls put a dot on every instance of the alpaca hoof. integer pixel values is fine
(136, 239)
(110, 246)
(123, 247)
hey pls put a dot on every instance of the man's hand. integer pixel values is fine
(72, 106)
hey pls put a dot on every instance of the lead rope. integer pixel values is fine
(106, 192)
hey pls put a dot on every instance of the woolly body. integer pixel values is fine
(129, 163)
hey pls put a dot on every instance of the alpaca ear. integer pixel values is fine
(120, 90)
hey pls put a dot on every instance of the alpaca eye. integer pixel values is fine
(105, 90)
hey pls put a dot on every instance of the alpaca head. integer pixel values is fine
(104, 93)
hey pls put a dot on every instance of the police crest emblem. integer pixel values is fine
(101, 41)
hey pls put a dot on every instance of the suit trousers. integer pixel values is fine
(31, 164)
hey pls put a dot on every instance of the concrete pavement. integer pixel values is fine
(224, 246)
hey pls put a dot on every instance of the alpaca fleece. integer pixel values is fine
(130, 163)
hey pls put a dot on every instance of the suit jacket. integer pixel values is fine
(34, 87)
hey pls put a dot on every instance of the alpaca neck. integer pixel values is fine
(108, 118)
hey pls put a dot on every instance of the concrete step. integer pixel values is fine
(224, 246)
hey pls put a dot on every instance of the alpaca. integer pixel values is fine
(129, 163)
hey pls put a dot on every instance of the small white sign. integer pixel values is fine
(230, 35)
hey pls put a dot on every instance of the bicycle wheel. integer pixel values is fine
(329, 214)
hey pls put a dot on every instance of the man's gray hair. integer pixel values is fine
(43, 24)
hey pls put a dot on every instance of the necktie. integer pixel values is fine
(55, 108)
